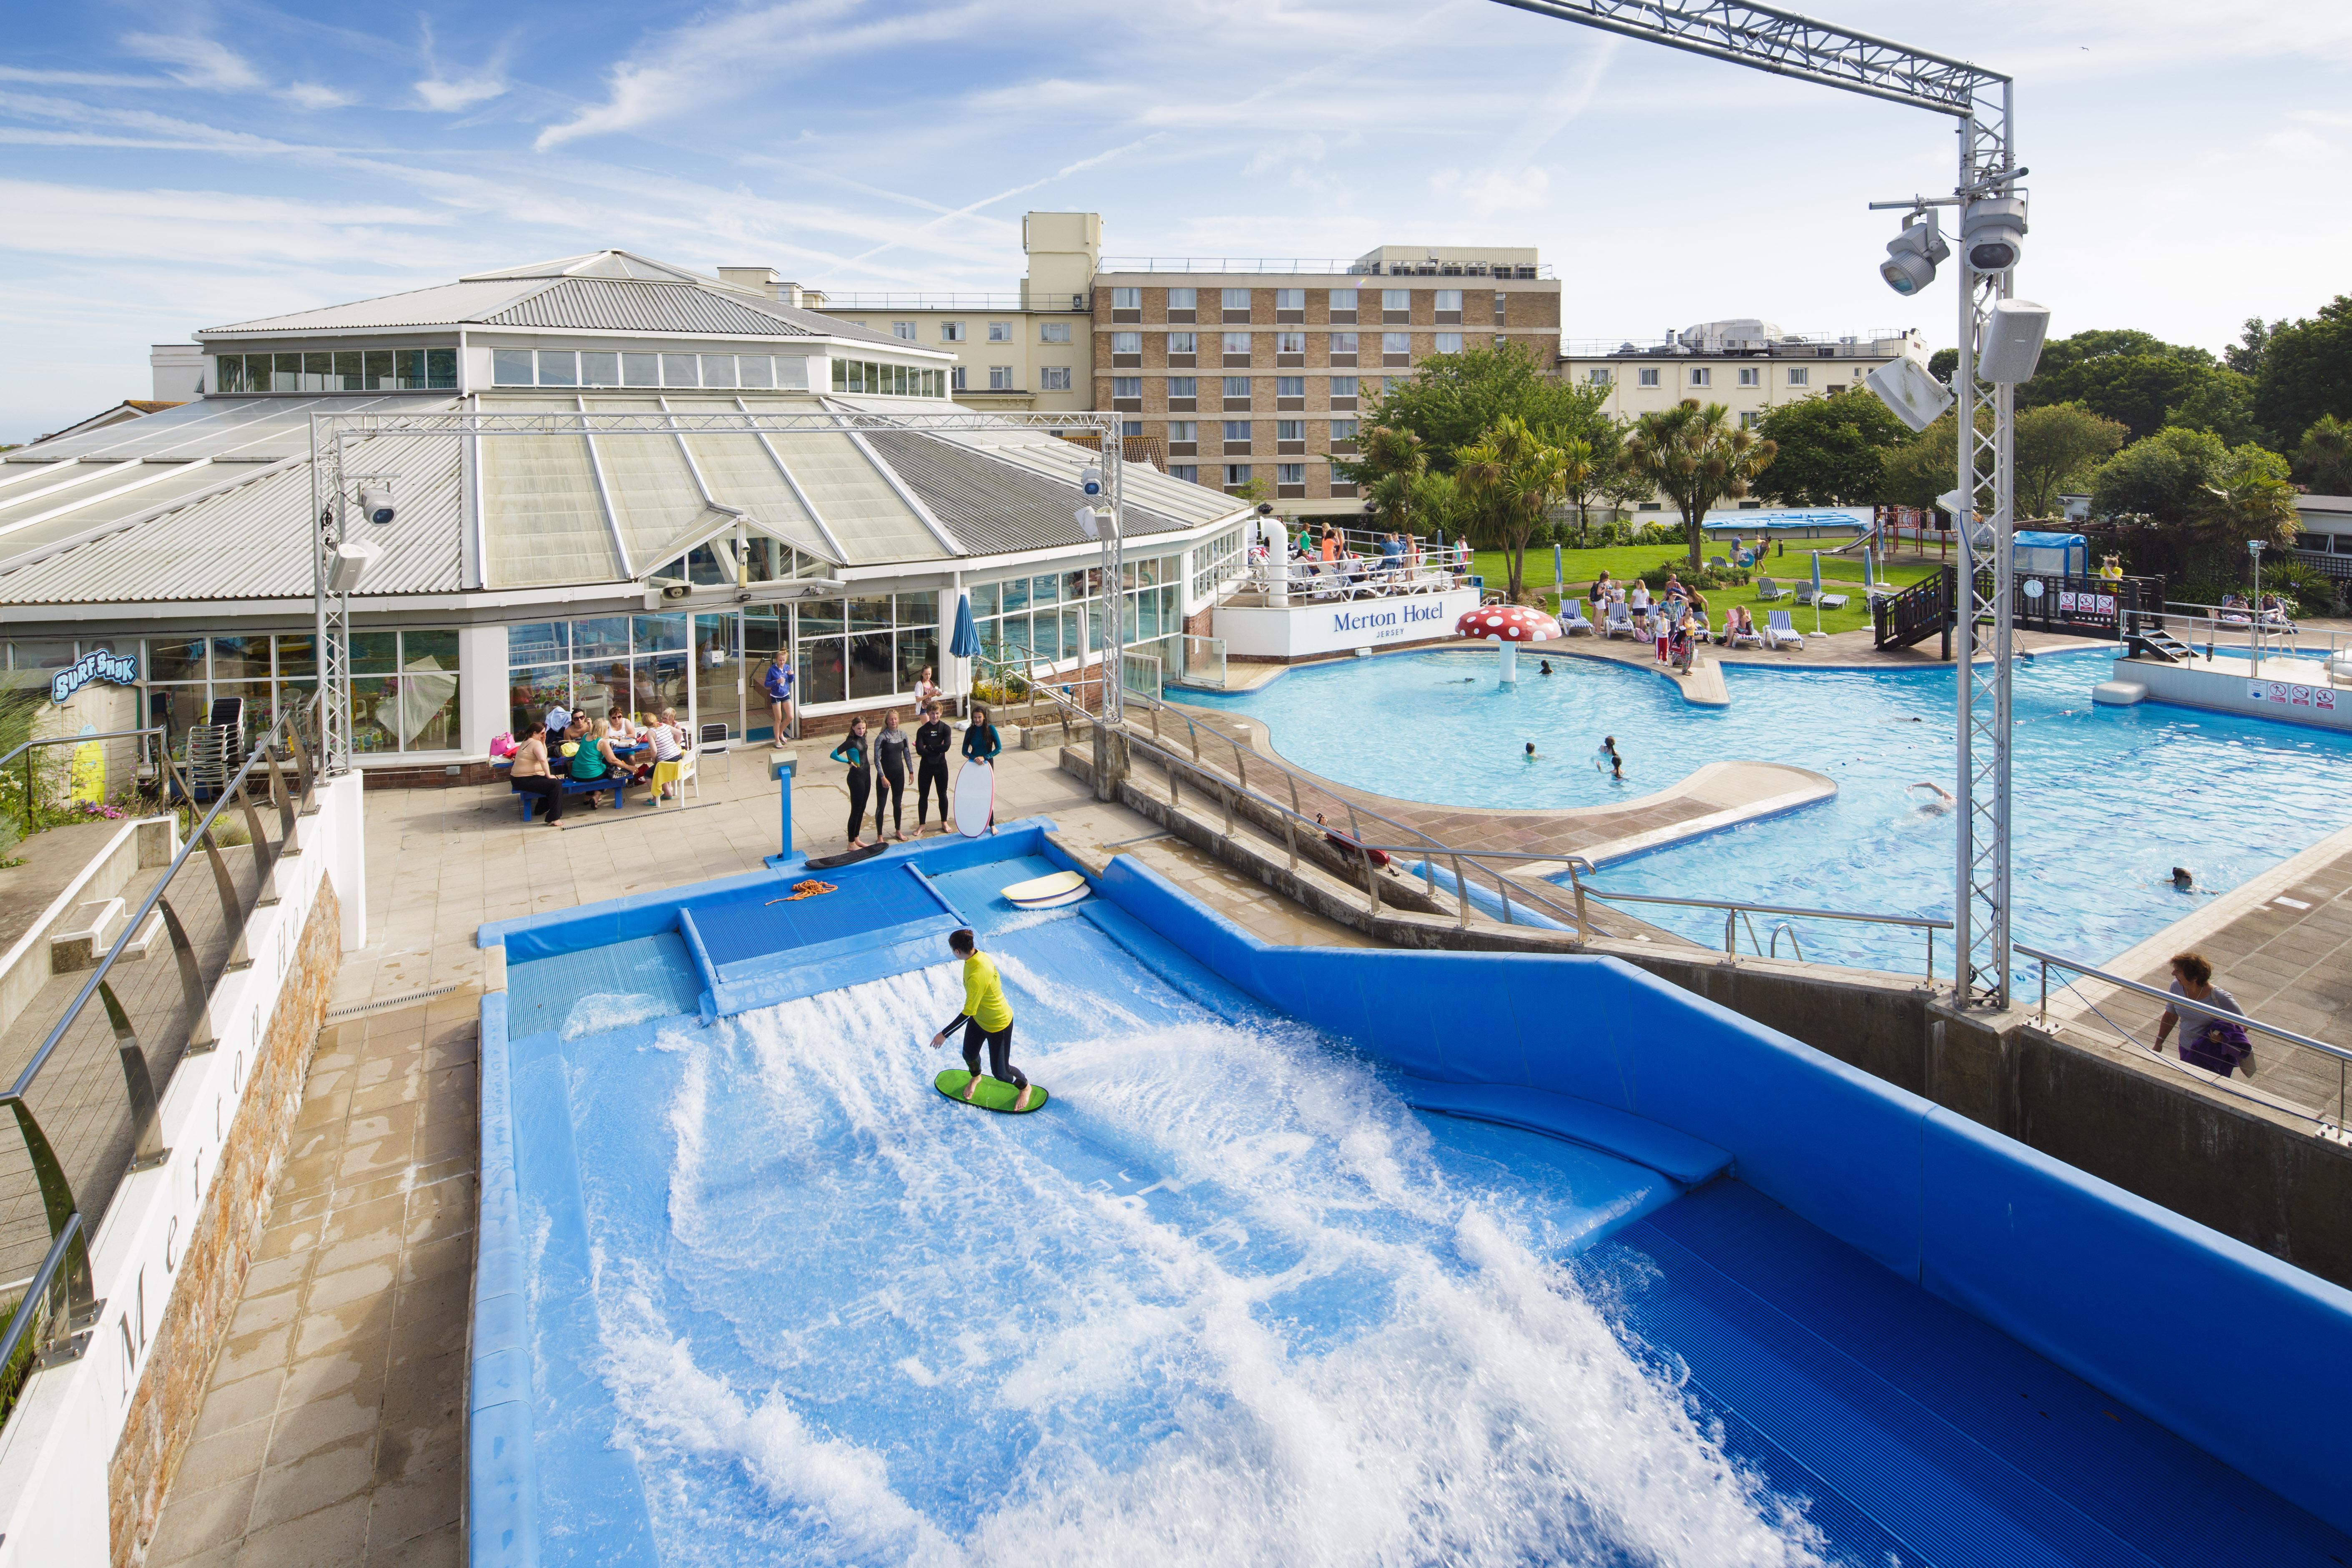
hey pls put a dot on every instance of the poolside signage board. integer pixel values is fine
(2293, 694)
(1338, 626)
(115, 669)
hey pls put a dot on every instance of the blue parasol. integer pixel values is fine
(1817, 592)
(965, 642)
(1869, 568)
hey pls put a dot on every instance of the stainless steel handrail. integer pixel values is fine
(2343, 1057)
(66, 1262)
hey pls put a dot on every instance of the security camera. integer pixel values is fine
(375, 504)
(1993, 231)
(1913, 256)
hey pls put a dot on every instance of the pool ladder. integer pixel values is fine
(1734, 919)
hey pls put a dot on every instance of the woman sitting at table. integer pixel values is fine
(529, 774)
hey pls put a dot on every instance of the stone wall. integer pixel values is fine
(210, 1279)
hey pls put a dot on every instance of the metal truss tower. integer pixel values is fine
(1982, 102)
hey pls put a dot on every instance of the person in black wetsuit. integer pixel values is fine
(932, 739)
(890, 753)
(857, 751)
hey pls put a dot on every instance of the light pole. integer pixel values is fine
(2254, 550)
(1991, 346)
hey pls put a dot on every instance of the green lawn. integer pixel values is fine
(1625, 561)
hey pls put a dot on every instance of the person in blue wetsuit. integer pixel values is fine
(981, 744)
(859, 754)
(776, 680)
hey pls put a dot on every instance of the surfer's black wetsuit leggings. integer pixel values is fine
(891, 793)
(861, 780)
(1000, 1053)
(930, 771)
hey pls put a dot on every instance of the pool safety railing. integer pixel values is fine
(52, 1319)
(1362, 569)
(2235, 629)
(2322, 1057)
(1477, 875)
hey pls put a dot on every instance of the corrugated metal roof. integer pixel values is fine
(248, 428)
(996, 507)
(618, 305)
(600, 264)
(253, 540)
(443, 305)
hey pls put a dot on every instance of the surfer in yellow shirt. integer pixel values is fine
(986, 1018)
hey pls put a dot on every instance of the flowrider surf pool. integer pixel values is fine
(1316, 1255)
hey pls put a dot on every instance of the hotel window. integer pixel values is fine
(1124, 386)
(903, 331)
(1056, 378)
(1290, 473)
(1126, 342)
(951, 331)
(1343, 430)
(1000, 378)
(1237, 473)
(1343, 342)
(1702, 375)
(1750, 377)
(1290, 343)
(1799, 374)
(1396, 299)
(1750, 421)
(1290, 387)
(1648, 375)
(1396, 342)
(1343, 302)
(1343, 386)
(1449, 298)
(1183, 387)
(1188, 472)
(1052, 332)
(1236, 298)
(1183, 430)
(1237, 342)
(1127, 299)
(955, 379)
(1290, 429)
(1184, 299)
(1597, 375)
(1000, 331)
(1183, 343)
(1130, 427)
(1237, 429)
(1449, 342)
(1290, 298)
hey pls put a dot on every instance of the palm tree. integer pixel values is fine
(1513, 477)
(1696, 457)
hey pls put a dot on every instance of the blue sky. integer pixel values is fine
(186, 165)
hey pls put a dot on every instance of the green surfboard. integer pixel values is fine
(992, 1094)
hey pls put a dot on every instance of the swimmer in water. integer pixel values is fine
(1531, 752)
(1607, 760)
(1942, 801)
(2184, 880)
(1544, 668)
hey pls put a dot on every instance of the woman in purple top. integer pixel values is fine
(2206, 1041)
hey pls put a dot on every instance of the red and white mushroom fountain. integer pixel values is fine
(1506, 625)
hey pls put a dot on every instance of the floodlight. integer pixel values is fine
(2012, 342)
(1088, 524)
(1917, 398)
(1913, 256)
(375, 504)
(1090, 479)
(349, 563)
(1994, 230)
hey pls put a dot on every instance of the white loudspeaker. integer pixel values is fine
(1904, 384)
(2012, 342)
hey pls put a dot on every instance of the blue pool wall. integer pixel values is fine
(2138, 1302)
(2133, 1299)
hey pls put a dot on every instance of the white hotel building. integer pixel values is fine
(525, 569)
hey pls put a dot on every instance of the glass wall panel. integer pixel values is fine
(441, 368)
(177, 707)
(871, 669)
(380, 374)
(41, 654)
(542, 642)
(718, 370)
(717, 670)
(660, 682)
(298, 656)
(559, 367)
(374, 653)
(755, 370)
(347, 376)
(825, 669)
(819, 617)
(319, 371)
(1016, 594)
(641, 370)
(679, 370)
(606, 636)
(983, 599)
(510, 367)
(870, 614)
(427, 651)
(412, 369)
(289, 375)
(533, 690)
(660, 634)
(602, 688)
(228, 372)
(240, 657)
(918, 609)
(175, 658)
(918, 651)
(420, 711)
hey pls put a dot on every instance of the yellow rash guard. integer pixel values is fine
(983, 994)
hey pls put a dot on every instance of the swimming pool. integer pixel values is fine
(1358, 1277)
(2109, 800)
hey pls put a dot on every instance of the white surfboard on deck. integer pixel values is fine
(1050, 891)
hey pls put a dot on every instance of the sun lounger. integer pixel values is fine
(1767, 589)
(1573, 621)
(1778, 633)
(1833, 601)
(1744, 639)
(1621, 622)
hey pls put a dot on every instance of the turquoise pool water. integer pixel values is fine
(2109, 800)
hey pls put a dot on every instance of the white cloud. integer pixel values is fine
(316, 95)
(2299, 144)
(1493, 191)
(446, 97)
(194, 61)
